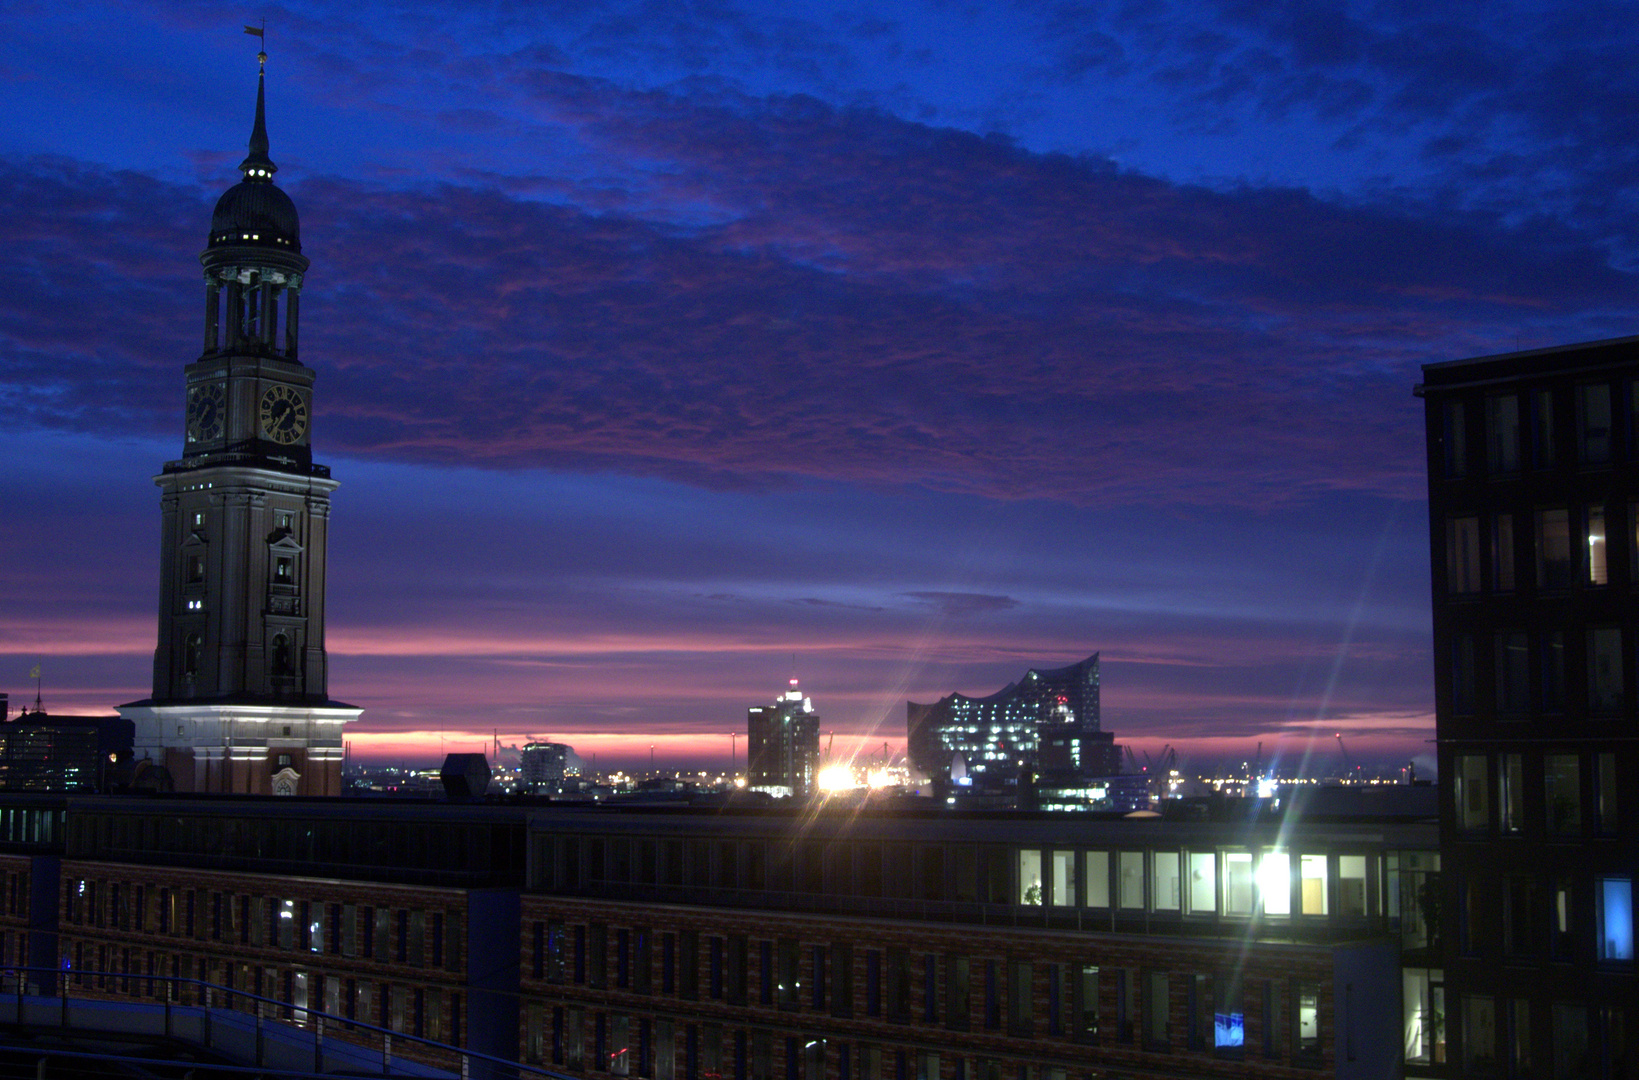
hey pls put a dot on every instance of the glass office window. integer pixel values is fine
(1562, 793)
(1029, 878)
(1131, 873)
(1502, 434)
(1502, 552)
(1513, 673)
(1463, 555)
(1598, 573)
(1511, 792)
(1423, 997)
(1275, 882)
(1553, 671)
(1203, 882)
(1594, 423)
(1312, 869)
(1616, 919)
(1604, 669)
(1064, 879)
(1351, 885)
(1472, 791)
(1542, 429)
(1455, 439)
(1096, 876)
(1553, 549)
(1606, 794)
(1166, 886)
(1306, 1017)
(1238, 883)
(1479, 1032)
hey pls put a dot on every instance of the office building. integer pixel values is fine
(1046, 724)
(782, 745)
(543, 765)
(1533, 467)
(43, 752)
(240, 697)
(804, 943)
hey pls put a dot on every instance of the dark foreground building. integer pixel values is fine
(1533, 464)
(43, 752)
(1046, 723)
(695, 943)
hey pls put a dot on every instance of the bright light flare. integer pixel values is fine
(880, 778)
(836, 778)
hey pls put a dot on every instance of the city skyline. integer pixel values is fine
(899, 350)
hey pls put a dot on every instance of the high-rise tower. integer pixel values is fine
(240, 701)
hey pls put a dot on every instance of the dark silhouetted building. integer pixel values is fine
(42, 752)
(1047, 723)
(240, 700)
(1533, 466)
(782, 745)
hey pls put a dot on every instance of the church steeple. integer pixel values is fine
(257, 165)
(241, 699)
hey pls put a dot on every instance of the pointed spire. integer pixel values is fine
(257, 165)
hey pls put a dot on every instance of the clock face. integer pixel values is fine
(284, 414)
(205, 412)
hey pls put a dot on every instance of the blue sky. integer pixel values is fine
(665, 350)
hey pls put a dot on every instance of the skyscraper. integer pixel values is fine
(782, 744)
(1533, 479)
(240, 699)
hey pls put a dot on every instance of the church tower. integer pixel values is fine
(241, 702)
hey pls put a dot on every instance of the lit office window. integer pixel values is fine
(1616, 919)
(1166, 884)
(1473, 792)
(1064, 879)
(1203, 882)
(1275, 883)
(1029, 877)
(1312, 869)
(1424, 1001)
(1238, 883)
(1131, 867)
(1097, 874)
(1597, 572)
(1306, 1020)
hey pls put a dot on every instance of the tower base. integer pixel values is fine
(250, 749)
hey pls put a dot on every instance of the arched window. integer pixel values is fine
(281, 655)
